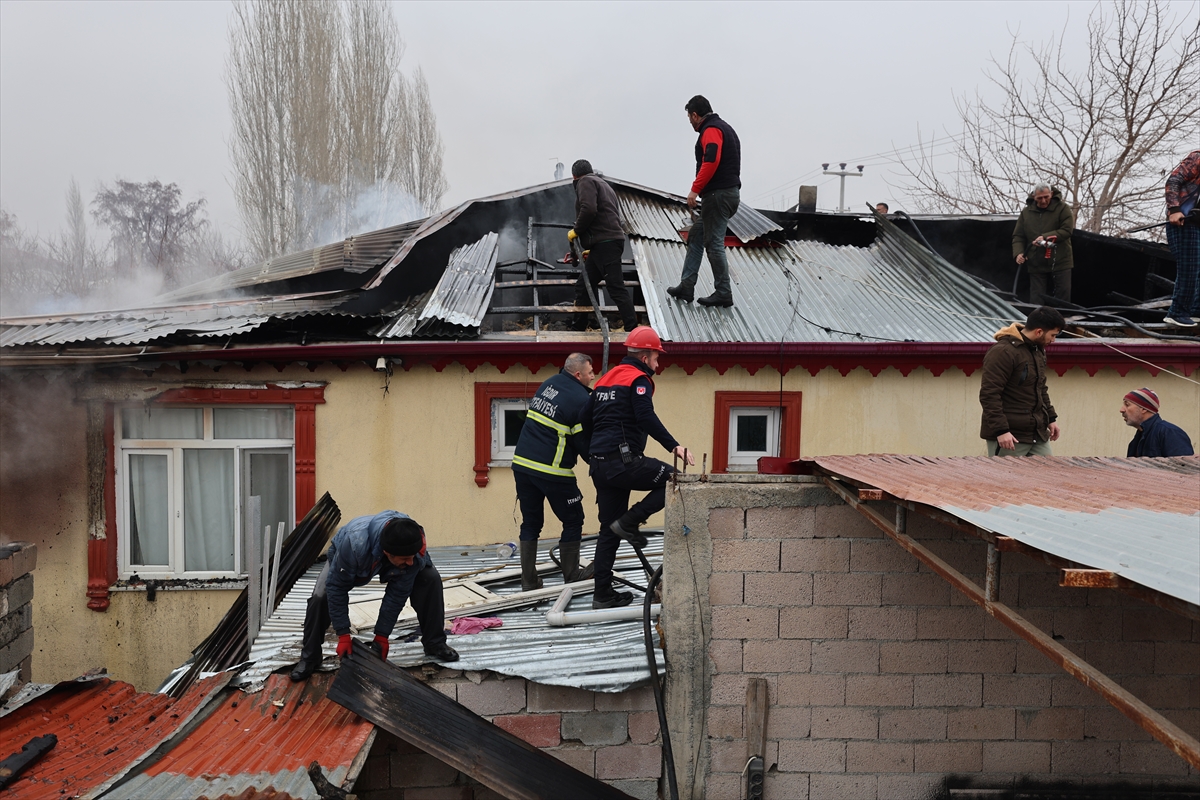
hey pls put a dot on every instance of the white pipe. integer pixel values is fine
(558, 616)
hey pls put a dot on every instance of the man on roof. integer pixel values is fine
(1155, 437)
(621, 417)
(391, 545)
(1018, 418)
(598, 228)
(543, 467)
(1041, 242)
(718, 183)
(1183, 236)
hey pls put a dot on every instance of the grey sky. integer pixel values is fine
(101, 90)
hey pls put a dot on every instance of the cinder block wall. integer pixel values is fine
(610, 736)
(17, 561)
(884, 681)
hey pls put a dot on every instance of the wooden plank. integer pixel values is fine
(1088, 578)
(556, 309)
(756, 717)
(425, 718)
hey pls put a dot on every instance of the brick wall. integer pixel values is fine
(613, 737)
(883, 680)
(17, 561)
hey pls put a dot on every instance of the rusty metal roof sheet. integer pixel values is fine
(260, 745)
(1136, 517)
(104, 729)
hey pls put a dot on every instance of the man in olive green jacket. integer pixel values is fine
(1041, 242)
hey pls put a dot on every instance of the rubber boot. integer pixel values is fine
(314, 638)
(568, 553)
(529, 576)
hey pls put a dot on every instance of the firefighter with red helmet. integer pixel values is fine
(621, 415)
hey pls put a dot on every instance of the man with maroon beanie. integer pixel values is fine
(1155, 437)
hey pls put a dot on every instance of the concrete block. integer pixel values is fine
(788, 722)
(1022, 758)
(448, 688)
(844, 522)
(1079, 624)
(913, 724)
(981, 723)
(843, 787)
(816, 622)
(543, 697)
(1165, 691)
(727, 523)
(581, 758)
(778, 589)
(982, 656)
(481, 793)
(775, 655)
(628, 761)
(968, 556)
(745, 556)
(815, 555)
(1085, 758)
(948, 757)
(879, 757)
(16, 594)
(1154, 624)
(16, 651)
(1186, 718)
(781, 523)
(809, 755)
(641, 699)
(912, 657)
(915, 589)
(1176, 658)
(728, 690)
(745, 622)
(1123, 658)
(638, 790)
(16, 559)
(725, 589)
(880, 555)
(1105, 723)
(725, 655)
(810, 690)
(965, 622)
(420, 769)
(1068, 691)
(1031, 662)
(540, 730)
(1030, 691)
(844, 722)
(596, 728)
(1042, 590)
(718, 786)
(493, 697)
(1050, 723)
(909, 787)
(845, 657)
(1150, 758)
(948, 690)
(727, 755)
(879, 690)
(884, 623)
(779, 784)
(846, 589)
(643, 727)
(16, 622)
(724, 722)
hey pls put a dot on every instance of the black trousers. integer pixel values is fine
(604, 264)
(1040, 285)
(614, 481)
(427, 600)
(565, 501)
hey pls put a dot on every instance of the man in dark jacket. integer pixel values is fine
(1018, 419)
(621, 416)
(598, 228)
(1183, 236)
(1042, 243)
(1155, 436)
(392, 546)
(718, 183)
(544, 467)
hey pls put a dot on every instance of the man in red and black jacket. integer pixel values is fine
(620, 417)
(718, 183)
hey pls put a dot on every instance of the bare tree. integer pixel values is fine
(324, 129)
(77, 256)
(1104, 134)
(150, 226)
(26, 272)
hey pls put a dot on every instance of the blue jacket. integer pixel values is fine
(1158, 438)
(356, 556)
(552, 436)
(621, 409)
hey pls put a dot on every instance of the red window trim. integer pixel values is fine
(789, 423)
(485, 393)
(102, 553)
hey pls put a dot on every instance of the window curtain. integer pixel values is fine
(253, 423)
(208, 510)
(149, 524)
(162, 423)
(270, 478)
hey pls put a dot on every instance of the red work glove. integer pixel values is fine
(381, 642)
(343, 648)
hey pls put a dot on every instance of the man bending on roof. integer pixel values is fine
(392, 546)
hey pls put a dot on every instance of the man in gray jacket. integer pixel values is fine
(598, 228)
(392, 546)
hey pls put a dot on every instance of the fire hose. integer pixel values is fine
(587, 281)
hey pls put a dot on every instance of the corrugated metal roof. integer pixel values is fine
(465, 288)
(1137, 517)
(104, 728)
(659, 215)
(260, 745)
(526, 646)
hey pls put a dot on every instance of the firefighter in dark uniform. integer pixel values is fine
(621, 414)
(543, 467)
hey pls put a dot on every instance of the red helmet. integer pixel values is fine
(643, 337)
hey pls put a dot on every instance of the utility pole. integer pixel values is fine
(843, 174)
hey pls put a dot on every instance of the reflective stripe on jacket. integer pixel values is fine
(553, 437)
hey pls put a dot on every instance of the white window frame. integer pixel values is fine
(174, 448)
(502, 456)
(747, 460)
